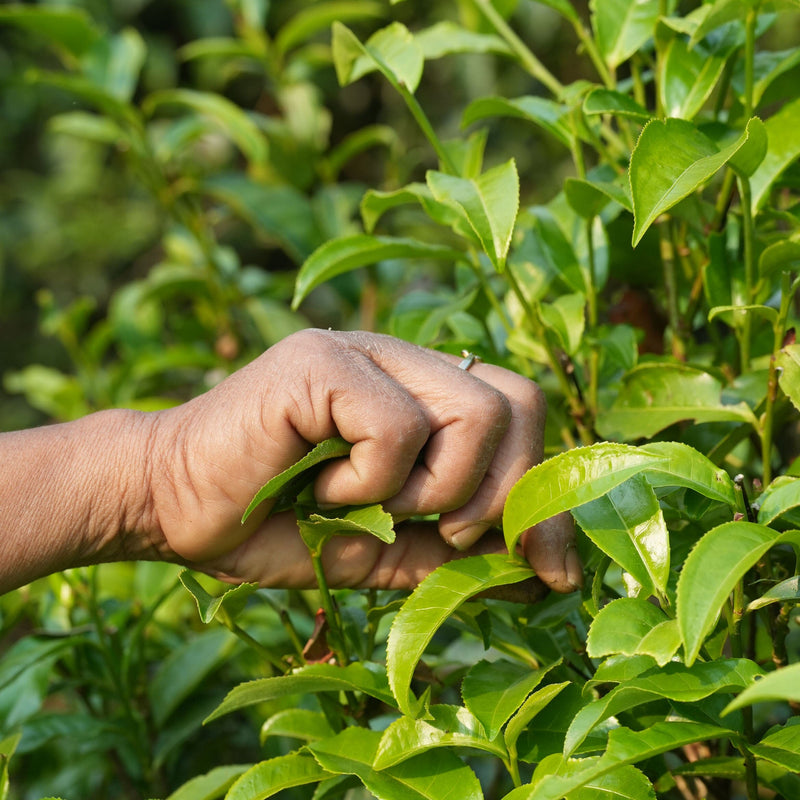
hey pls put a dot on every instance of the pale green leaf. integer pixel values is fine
(782, 685)
(433, 775)
(672, 159)
(448, 726)
(228, 605)
(787, 591)
(622, 27)
(780, 256)
(621, 625)
(309, 679)
(431, 603)
(535, 702)
(211, 785)
(782, 149)
(494, 690)
(489, 203)
(115, 63)
(270, 777)
(447, 37)
(567, 481)
(371, 520)
(297, 723)
(781, 747)
(628, 525)
(782, 495)
(70, 29)
(351, 252)
(714, 566)
(735, 316)
(375, 204)
(788, 359)
(607, 101)
(624, 782)
(656, 395)
(542, 112)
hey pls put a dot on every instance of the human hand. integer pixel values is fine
(428, 438)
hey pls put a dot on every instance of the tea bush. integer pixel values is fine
(616, 218)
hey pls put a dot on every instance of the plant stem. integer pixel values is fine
(519, 48)
(748, 254)
(425, 125)
(671, 287)
(331, 613)
(263, 651)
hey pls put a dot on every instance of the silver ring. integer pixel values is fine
(467, 360)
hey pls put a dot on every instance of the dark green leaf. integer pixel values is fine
(606, 101)
(781, 747)
(544, 113)
(589, 198)
(71, 29)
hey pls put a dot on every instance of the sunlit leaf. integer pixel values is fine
(229, 604)
(782, 149)
(270, 777)
(365, 520)
(211, 785)
(297, 723)
(622, 27)
(624, 782)
(783, 684)
(714, 566)
(446, 37)
(781, 747)
(529, 709)
(621, 626)
(431, 603)
(787, 591)
(788, 359)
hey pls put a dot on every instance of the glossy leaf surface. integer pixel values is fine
(297, 723)
(607, 101)
(622, 27)
(782, 684)
(228, 605)
(431, 603)
(621, 626)
(270, 777)
(211, 785)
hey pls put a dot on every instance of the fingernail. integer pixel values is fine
(463, 540)
(573, 567)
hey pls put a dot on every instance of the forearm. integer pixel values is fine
(73, 494)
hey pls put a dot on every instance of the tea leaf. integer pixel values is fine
(686, 159)
(297, 723)
(782, 495)
(623, 782)
(489, 203)
(431, 603)
(783, 684)
(787, 591)
(628, 525)
(534, 703)
(788, 359)
(544, 113)
(448, 726)
(712, 569)
(309, 679)
(228, 605)
(342, 255)
(270, 777)
(782, 747)
(621, 626)
(589, 198)
(373, 520)
(780, 256)
(211, 785)
(446, 37)
(606, 101)
(783, 148)
(70, 29)
(494, 690)
(656, 395)
(567, 481)
(622, 27)
(439, 775)
(375, 204)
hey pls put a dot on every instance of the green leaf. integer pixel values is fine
(654, 396)
(494, 690)
(535, 702)
(489, 203)
(285, 486)
(228, 605)
(431, 603)
(211, 785)
(589, 198)
(393, 51)
(607, 101)
(780, 256)
(625, 782)
(688, 77)
(375, 204)
(621, 626)
(712, 569)
(438, 775)
(781, 747)
(622, 27)
(673, 681)
(350, 252)
(270, 777)
(116, 62)
(782, 495)
(70, 29)
(319, 17)
(372, 520)
(768, 65)
(787, 591)
(546, 114)
(309, 679)
(782, 684)
(297, 723)
(567, 481)
(788, 359)
(185, 668)
(445, 38)
(229, 117)
(685, 159)
(628, 525)
(782, 149)
(448, 726)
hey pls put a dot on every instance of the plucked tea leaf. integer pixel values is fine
(270, 777)
(672, 159)
(654, 396)
(211, 785)
(438, 775)
(431, 603)
(287, 484)
(712, 569)
(489, 203)
(309, 679)
(373, 520)
(621, 625)
(622, 26)
(229, 604)
(781, 747)
(627, 524)
(494, 690)
(448, 726)
(606, 101)
(782, 684)
(567, 481)
(393, 51)
(783, 148)
(342, 255)
(542, 112)
(787, 591)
